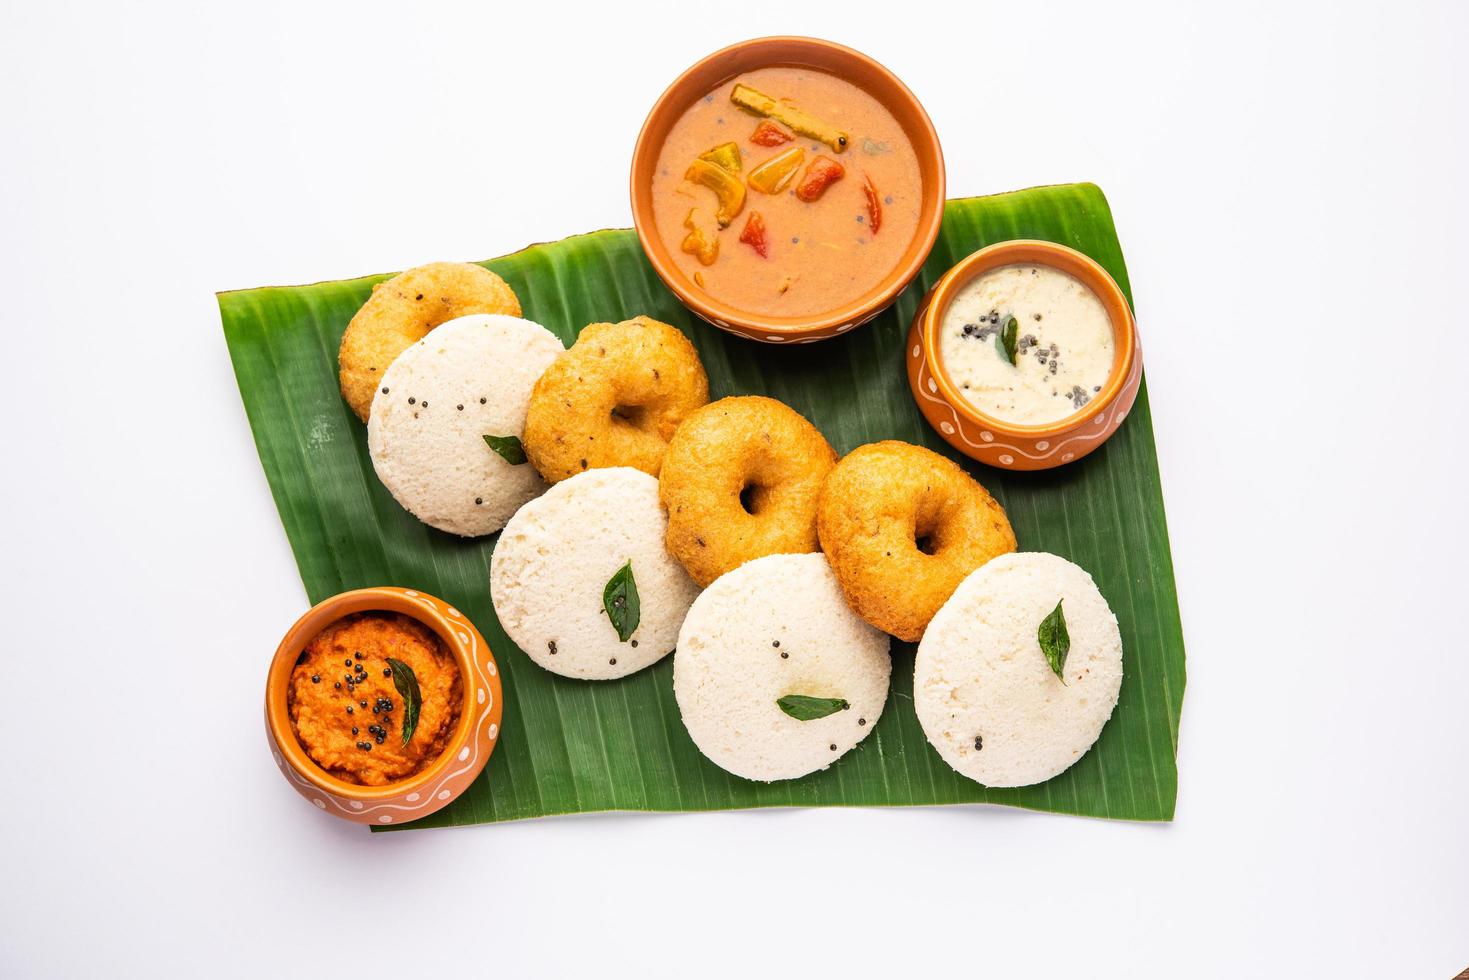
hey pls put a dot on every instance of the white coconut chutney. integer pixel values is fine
(777, 627)
(467, 378)
(554, 559)
(985, 694)
(1063, 344)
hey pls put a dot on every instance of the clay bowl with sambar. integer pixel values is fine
(372, 633)
(787, 189)
(987, 437)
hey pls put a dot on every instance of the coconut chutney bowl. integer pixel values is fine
(466, 747)
(828, 189)
(997, 441)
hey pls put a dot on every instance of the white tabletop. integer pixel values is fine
(1289, 189)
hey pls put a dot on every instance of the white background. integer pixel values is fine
(1289, 187)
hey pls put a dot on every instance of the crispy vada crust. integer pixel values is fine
(401, 310)
(748, 445)
(614, 399)
(878, 503)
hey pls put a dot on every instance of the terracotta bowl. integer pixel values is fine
(1005, 444)
(847, 64)
(464, 755)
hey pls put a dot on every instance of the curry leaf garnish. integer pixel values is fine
(1054, 640)
(1007, 339)
(804, 708)
(620, 599)
(407, 685)
(508, 447)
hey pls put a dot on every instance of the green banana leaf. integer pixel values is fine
(572, 746)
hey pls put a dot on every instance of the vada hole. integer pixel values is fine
(752, 496)
(926, 543)
(631, 414)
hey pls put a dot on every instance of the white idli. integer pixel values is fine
(773, 627)
(467, 378)
(985, 695)
(555, 558)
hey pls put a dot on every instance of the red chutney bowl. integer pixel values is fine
(835, 59)
(996, 442)
(465, 753)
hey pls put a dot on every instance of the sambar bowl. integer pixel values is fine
(844, 63)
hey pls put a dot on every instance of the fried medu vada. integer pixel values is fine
(902, 526)
(401, 310)
(741, 480)
(613, 399)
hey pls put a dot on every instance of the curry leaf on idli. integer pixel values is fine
(803, 707)
(1055, 641)
(508, 447)
(620, 599)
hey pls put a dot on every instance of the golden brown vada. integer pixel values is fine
(613, 399)
(902, 526)
(404, 308)
(741, 480)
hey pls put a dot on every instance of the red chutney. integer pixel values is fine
(787, 192)
(346, 710)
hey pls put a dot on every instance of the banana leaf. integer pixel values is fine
(572, 746)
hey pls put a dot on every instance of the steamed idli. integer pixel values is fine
(987, 697)
(776, 628)
(467, 379)
(555, 559)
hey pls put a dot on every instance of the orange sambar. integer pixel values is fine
(819, 254)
